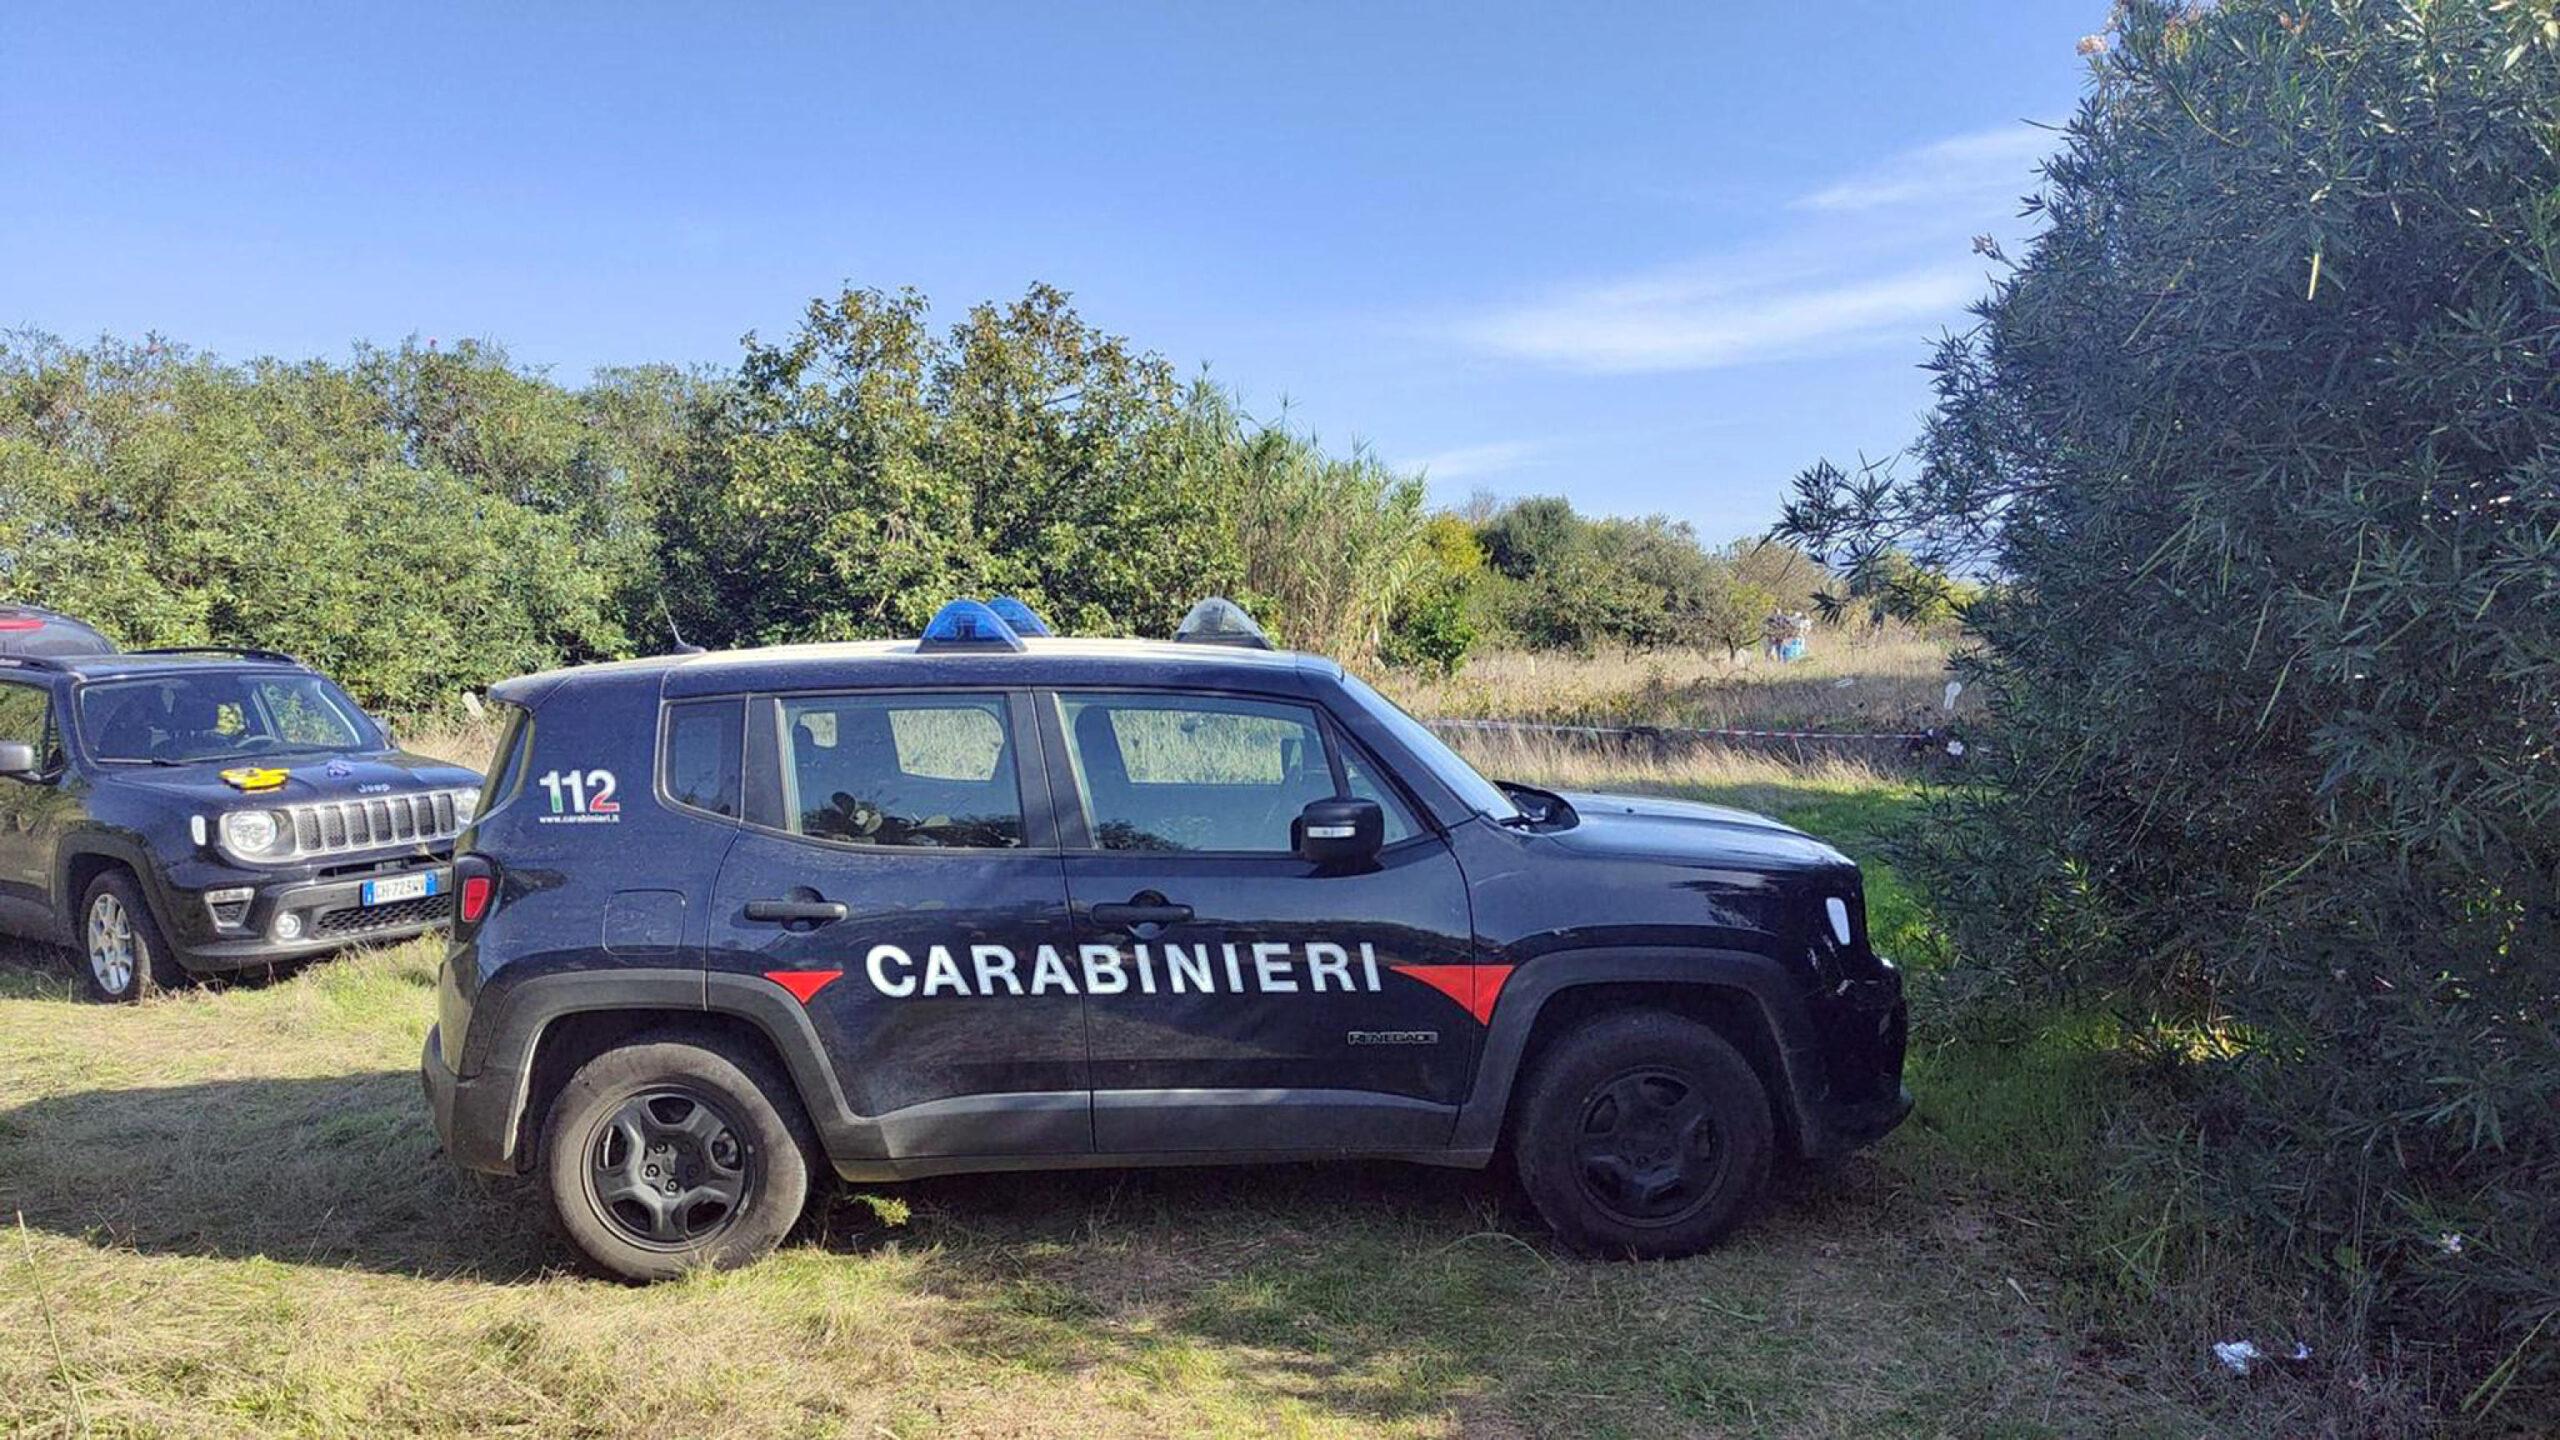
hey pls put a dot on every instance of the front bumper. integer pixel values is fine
(327, 915)
(474, 1118)
(1865, 1030)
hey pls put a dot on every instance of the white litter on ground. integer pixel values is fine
(2238, 1355)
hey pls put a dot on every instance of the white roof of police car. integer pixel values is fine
(1036, 649)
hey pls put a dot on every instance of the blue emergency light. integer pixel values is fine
(1024, 621)
(968, 625)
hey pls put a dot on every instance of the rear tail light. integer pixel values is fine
(475, 892)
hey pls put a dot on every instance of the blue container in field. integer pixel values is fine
(1791, 649)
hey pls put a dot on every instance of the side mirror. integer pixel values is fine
(18, 760)
(1339, 832)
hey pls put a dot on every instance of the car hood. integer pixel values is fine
(307, 778)
(1688, 832)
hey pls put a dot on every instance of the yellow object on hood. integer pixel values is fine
(254, 778)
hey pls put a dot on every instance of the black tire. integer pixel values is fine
(630, 1127)
(1642, 1134)
(113, 906)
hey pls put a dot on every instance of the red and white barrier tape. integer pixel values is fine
(1602, 732)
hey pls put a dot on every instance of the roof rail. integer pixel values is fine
(967, 625)
(34, 662)
(245, 652)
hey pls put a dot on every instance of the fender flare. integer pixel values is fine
(130, 854)
(505, 1067)
(1775, 992)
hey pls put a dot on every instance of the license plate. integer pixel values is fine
(403, 887)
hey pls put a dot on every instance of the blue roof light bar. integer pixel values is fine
(968, 625)
(1024, 621)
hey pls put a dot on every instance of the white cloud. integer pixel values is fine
(1839, 276)
(1472, 460)
(1962, 168)
(1703, 317)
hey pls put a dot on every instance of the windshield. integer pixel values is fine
(1478, 793)
(218, 716)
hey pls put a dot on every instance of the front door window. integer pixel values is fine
(1195, 774)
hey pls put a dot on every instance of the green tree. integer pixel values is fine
(868, 470)
(173, 499)
(1577, 582)
(1887, 584)
(2262, 436)
(1433, 627)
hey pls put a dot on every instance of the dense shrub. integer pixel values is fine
(2264, 434)
(175, 500)
(1561, 580)
(1434, 624)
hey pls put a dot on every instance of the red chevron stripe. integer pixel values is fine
(1475, 987)
(805, 984)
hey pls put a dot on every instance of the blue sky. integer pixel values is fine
(1652, 258)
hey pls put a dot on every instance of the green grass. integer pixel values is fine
(234, 1222)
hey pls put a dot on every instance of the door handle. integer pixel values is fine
(1137, 913)
(814, 912)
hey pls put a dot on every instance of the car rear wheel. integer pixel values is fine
(673, 1155)
(128, 956)
(1643, 1134)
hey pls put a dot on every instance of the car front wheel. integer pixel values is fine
(1643, 1134)
(128, 957)
(672, 1155)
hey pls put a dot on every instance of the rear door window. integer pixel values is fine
(921, 771)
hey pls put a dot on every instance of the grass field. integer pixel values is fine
(230, 1218)
(1894, 679)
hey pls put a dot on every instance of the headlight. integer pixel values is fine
(256, 834)
(466, 804)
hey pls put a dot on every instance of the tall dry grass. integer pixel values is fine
(1894, 679)
(454, 739)
(1754, 779)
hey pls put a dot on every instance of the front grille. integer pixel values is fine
(366, 919)
(330, 827)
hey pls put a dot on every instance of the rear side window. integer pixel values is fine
(921, 771)
(506, 763)
(705, 755)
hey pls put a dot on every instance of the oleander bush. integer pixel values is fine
(2262, 435)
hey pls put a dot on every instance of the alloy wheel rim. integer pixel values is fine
(111, 943)
(669, 1169)
(1649, 1151)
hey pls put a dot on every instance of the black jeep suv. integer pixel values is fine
(991, 901)
(174, 812)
